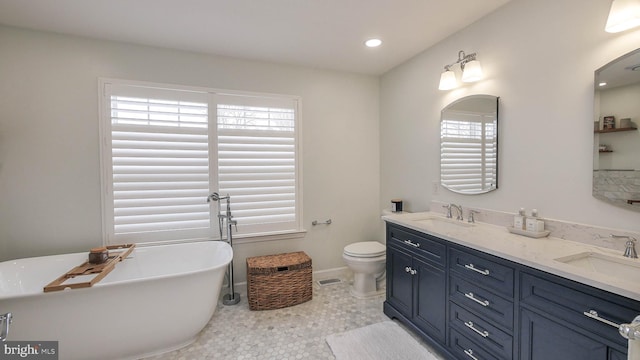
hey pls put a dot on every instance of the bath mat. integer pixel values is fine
(381, 341)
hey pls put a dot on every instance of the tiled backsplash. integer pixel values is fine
(617, 186)
(586, 234)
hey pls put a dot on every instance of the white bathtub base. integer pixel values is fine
(154, 302)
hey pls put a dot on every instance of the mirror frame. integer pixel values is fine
(495, 114)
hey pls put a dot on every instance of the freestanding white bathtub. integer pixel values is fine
(156, 300)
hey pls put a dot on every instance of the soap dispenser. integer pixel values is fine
(533, 223)
(519, 221)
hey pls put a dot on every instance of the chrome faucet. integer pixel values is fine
(471, 219)
(232, 297)
(459, 210)
(630, 250)
(5, 320)
(448, 207)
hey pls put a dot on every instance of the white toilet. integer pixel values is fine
(367, 260)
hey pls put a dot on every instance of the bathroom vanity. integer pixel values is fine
(478, 292)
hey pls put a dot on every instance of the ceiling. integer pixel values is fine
(327, 34)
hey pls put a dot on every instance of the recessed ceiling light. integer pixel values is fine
(373, 42)
(602, 84)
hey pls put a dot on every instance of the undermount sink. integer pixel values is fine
(443, 221)
(618, 267)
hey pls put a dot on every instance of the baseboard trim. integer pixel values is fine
(331, 273)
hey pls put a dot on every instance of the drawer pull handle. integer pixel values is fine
(469, 353)
(409, 242)
(471, 326)
(594, 315)
(472, 267)
(470, 295)
(410, 270)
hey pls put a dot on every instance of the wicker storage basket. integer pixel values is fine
(278, 281)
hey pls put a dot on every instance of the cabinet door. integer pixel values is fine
(543, 339)
(429, 312)
(617, 355)
(399, 281)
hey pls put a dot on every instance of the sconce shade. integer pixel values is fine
(472, 71)
(448, 80)
(624, 15)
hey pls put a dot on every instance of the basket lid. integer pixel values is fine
(271, 263)
(365, 249)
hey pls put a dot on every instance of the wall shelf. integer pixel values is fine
(605, 151)
(613, 130)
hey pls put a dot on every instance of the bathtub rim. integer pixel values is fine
(99, 284)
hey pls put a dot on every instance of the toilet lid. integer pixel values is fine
(365, 249)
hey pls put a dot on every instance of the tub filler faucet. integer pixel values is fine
(5, 321)
(232, 298)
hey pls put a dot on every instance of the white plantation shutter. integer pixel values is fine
(159, 165)
(257, 162)
(469, 152)
(165, 150)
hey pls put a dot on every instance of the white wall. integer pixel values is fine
(539, 56)
(49, 155)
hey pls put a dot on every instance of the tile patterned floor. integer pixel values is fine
(297, 332)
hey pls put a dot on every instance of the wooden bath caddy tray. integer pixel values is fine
(89, 269)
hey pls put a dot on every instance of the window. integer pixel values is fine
(257, 162)
(165, 149)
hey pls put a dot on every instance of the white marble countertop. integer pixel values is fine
(536, 253)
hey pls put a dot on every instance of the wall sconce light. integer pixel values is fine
(623, 15)
(471, 71)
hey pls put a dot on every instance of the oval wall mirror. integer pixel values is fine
(616, 150)
(469, 145)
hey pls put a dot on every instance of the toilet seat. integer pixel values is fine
(365, 249)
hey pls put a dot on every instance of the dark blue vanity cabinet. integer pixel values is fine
(553, 310)
(471, 305)
(416, 263)
(481, 300)
(543, 338)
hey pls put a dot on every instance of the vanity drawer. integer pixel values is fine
(570, 301)
(481, 331)
(483, 271)
(463, 348)
(427, 247)
(481, 301)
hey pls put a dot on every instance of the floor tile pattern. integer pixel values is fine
(296, 332)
